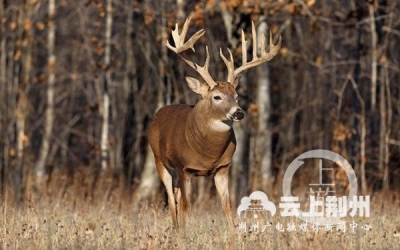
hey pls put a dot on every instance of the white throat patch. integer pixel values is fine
(218, 125)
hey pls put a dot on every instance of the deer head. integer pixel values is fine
(223, 97)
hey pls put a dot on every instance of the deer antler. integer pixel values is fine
(265, 56)
(181, 45)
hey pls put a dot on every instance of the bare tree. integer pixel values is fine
(374, 59)
(262, 138)
(385, 108)
(49, 119)
(104, 145)
(363, 132)
(3, 105)
(22, 77)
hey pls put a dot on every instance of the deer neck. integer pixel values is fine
(208, 135)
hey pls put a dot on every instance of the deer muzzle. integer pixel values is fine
(238, 115)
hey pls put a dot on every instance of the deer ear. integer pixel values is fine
(236, 82)
(197, 86)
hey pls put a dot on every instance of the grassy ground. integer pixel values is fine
(112, 225)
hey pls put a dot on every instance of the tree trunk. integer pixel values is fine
(22, 78)
(3, 104)
(181, 9)
(363, 132)
(132, 87)
(149, 181)
(263, 139)
(386, 106)
(12, 81)
(374, 59)
(49, 119)
(104, 146)
(386, 121)
(289, 106)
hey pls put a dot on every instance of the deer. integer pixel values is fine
(199, 140)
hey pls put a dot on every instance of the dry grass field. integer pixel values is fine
(85, 226)
(117, 223)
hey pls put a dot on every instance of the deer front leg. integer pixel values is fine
(221, 180)
(185, 189)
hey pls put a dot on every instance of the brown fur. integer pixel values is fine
(184, 145)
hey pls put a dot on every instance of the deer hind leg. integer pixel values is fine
(166, 178)
(221, 180)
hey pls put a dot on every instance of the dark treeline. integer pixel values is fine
(81, 80)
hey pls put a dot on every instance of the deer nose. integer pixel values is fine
(238, 115)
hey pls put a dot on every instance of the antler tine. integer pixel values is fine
(254, 36)
(202, 70)
(179, 39)
(181, 46)
(265, 56)
(230, 66)
(244, 48)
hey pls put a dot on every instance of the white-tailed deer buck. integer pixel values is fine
(199, 140)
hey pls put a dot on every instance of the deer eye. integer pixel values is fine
(217, 98)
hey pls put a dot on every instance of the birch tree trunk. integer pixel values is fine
(106, 95)
(181, 9)
(263, 139)
(49, 119)
(374, 59)
(289, 106)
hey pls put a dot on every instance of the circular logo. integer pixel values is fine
(319, 154)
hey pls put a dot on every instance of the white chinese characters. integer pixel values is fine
(329, 206)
